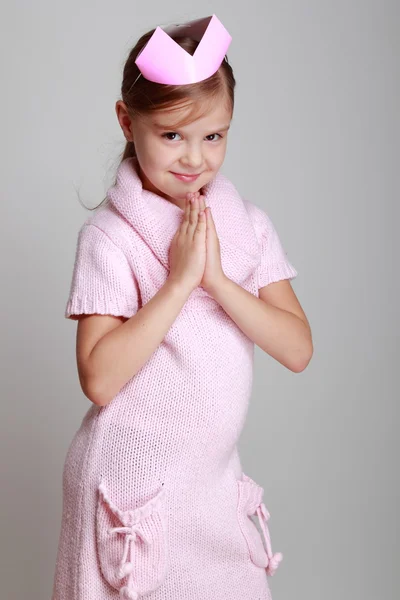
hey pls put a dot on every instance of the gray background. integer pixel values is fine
(314, 142)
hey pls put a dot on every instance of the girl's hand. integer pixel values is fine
(187, 252)
(213, 272)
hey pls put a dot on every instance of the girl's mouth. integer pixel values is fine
(187, 178)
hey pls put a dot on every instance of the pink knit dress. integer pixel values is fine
(155, 503)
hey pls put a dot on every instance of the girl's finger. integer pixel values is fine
(185, 221)
(194, 213)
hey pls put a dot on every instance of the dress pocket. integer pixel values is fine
(250, 503)
(132, 544)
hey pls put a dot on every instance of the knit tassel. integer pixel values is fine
(273, 562)
(129, 593)
(273, 559)
(125, 569)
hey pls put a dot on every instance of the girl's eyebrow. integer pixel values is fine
(173, 128)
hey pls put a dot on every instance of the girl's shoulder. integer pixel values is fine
(260, 219)
(107, 219)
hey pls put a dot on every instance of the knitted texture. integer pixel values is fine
(155, 502)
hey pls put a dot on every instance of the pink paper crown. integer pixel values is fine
(162, 60)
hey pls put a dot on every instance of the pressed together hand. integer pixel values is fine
(195, 256)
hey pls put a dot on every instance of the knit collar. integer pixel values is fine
(156, 219)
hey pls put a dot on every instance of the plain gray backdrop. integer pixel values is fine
(315, 143)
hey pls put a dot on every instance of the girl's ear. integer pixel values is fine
(124, 120)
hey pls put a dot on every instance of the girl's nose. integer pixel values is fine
(193, 158)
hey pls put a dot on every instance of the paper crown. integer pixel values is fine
(162, 60)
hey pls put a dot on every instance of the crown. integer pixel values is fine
(162, 60)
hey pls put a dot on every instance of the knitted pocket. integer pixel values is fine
(132, 544)
(250, 503)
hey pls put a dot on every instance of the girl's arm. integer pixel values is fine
(275, 321)
(107, 361)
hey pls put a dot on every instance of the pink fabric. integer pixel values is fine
(155, 502)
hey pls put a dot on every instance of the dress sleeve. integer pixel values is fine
(102, 281)
(274, 265)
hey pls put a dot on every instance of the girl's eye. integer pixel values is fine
(170, 136)
(170, 133)
(210, 136)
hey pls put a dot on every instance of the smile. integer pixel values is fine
(187, 178)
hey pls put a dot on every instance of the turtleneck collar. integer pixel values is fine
(156, 219)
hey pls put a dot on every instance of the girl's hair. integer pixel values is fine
(143, 97)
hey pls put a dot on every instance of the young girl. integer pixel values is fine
(176, 277)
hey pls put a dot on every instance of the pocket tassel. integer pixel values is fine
(126, 568)
(273, 559)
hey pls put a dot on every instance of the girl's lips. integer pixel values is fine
(187, 178)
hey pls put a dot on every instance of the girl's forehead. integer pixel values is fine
(216, 116)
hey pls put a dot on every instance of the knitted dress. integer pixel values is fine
(155, 503)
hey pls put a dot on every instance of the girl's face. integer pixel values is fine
(162, 150)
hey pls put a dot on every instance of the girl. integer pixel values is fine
(176, 277)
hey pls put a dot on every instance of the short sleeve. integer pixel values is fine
(274, 265)
(102, 280)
